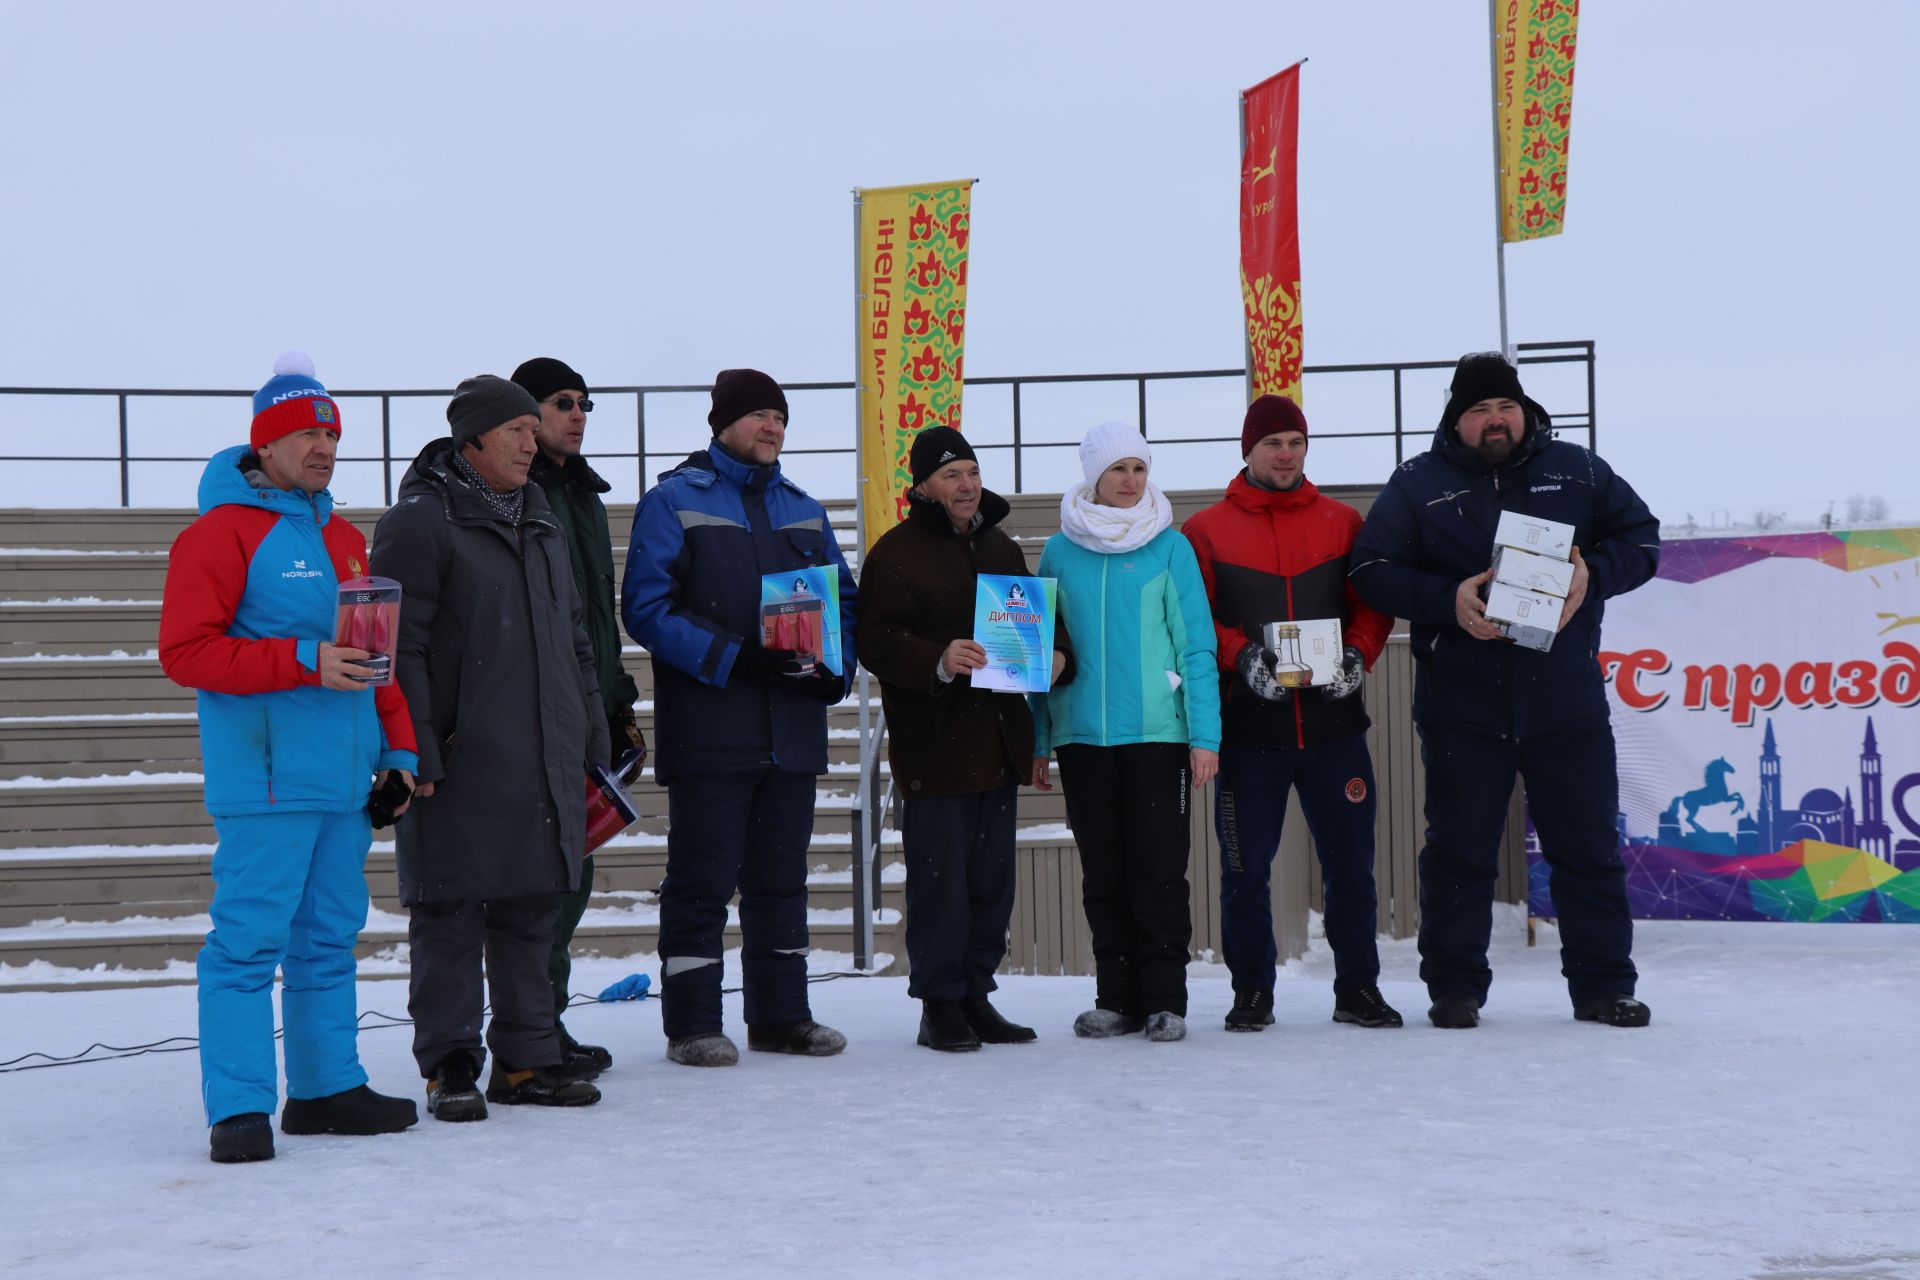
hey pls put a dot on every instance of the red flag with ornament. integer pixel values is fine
(1270, 234)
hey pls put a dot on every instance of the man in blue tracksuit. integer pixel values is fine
(1487, 708)
(291, 738)
(739, 729)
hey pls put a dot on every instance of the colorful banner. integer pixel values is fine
(1270, 233)
(1533, 89)
(911, 291)
(1763, 694)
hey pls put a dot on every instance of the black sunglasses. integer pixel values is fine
(565, 404)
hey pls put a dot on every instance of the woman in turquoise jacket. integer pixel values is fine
(1135, 733)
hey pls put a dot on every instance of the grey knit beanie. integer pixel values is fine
(482, 403)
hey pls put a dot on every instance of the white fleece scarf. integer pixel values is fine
(1111, 530)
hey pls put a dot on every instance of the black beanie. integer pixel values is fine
(934, 448)
(739, 392)
(543, 375)
(1486, 375)
(480, 404)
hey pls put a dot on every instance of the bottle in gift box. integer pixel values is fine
(368, 617)
(1291, 670)
(610, 805)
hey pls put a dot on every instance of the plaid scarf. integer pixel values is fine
(509, 506)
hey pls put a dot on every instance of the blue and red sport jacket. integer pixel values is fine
(252, 592)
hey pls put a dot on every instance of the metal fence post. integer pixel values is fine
(386, 448)
(126, 486)
(1399, 426)
(1141, 383)
(640, 438)
(1017, 486)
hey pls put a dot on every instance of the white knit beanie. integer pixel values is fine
(1106, 444)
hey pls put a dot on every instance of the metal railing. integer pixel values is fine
(1528, 353)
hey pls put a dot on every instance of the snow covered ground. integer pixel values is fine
(1766, 1125)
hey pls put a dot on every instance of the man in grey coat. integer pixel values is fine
(500, 680)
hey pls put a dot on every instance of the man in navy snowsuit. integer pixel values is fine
(740, 730)
(1487, 708)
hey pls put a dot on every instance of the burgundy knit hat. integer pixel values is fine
(1268, 414)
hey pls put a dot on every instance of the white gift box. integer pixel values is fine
(1308, 649)
(1532, 572)
(1528, 618)
(1531, 533)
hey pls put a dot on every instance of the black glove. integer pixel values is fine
(825, 685)
(1257, 668)
(1346, 681)
(763, 666)
(626, 733)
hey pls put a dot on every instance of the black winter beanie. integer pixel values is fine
(543, 375)
(934, 448)
(739, 392)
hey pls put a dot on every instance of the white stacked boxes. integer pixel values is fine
(1532, 574)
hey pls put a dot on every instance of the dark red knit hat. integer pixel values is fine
(1268, 414)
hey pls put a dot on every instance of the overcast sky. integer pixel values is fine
(415, 192)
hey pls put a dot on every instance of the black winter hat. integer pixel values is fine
(739, 392)
(482, 403)
(934, 448)
(543, 375)
(1486, 375)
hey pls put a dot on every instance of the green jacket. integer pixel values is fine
(573, 491)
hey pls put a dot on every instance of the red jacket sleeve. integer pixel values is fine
(1231, 639)
(1366, 628)
(206, 576)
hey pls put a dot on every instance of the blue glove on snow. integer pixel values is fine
(632, 987)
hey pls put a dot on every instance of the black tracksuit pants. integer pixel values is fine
(1573, 795)
(1128, 807)
(745, 831)
(449, 943)
(960, 881)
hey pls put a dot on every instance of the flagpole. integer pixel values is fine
(1499, 177)
(1246, 339)
(864, 838)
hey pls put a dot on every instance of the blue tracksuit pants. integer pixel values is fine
(290, 893)
(1335, 782)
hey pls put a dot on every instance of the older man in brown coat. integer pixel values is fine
(959, 753)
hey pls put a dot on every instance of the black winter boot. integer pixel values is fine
(538, 1087)
(358, 1110)
(703, 1049)
(990, 1027)
(1365, 1007)
(806, 1038)
(1616, 1009)
(570, 1049)
(1252, 1011)
(944, 1026)
(1454, 1013)
(242, 1138)
(453, 1091)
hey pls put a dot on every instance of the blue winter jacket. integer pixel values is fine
(1432, 527)
(252, 592)
(1143, 636)
(702, 538)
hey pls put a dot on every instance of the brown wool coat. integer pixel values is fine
(916, 597)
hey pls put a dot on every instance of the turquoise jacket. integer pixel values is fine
(1143, 637)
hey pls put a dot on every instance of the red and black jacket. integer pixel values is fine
(1275, 557)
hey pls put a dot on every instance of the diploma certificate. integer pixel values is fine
(1013, 622)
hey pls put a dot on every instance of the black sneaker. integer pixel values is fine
(806, 1038)
(1365, 1007)
(1252, 1011)
(944, 1026)
(453, 1091)
(1616, 1009)
(593, 1053)
(242, 1138)
(990, 1026)
(538, 1087)
(1455, 1013)
(358, 1110)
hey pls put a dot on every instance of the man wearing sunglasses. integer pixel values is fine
(573, 490)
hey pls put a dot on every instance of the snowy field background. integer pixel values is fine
(1764, 1126)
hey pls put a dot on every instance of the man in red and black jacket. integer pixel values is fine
(1274, 550)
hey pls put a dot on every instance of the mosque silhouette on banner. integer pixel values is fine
(1769, 825)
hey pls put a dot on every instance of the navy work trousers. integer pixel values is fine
(1335, 782)
(744, 831)
(1573, 793)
